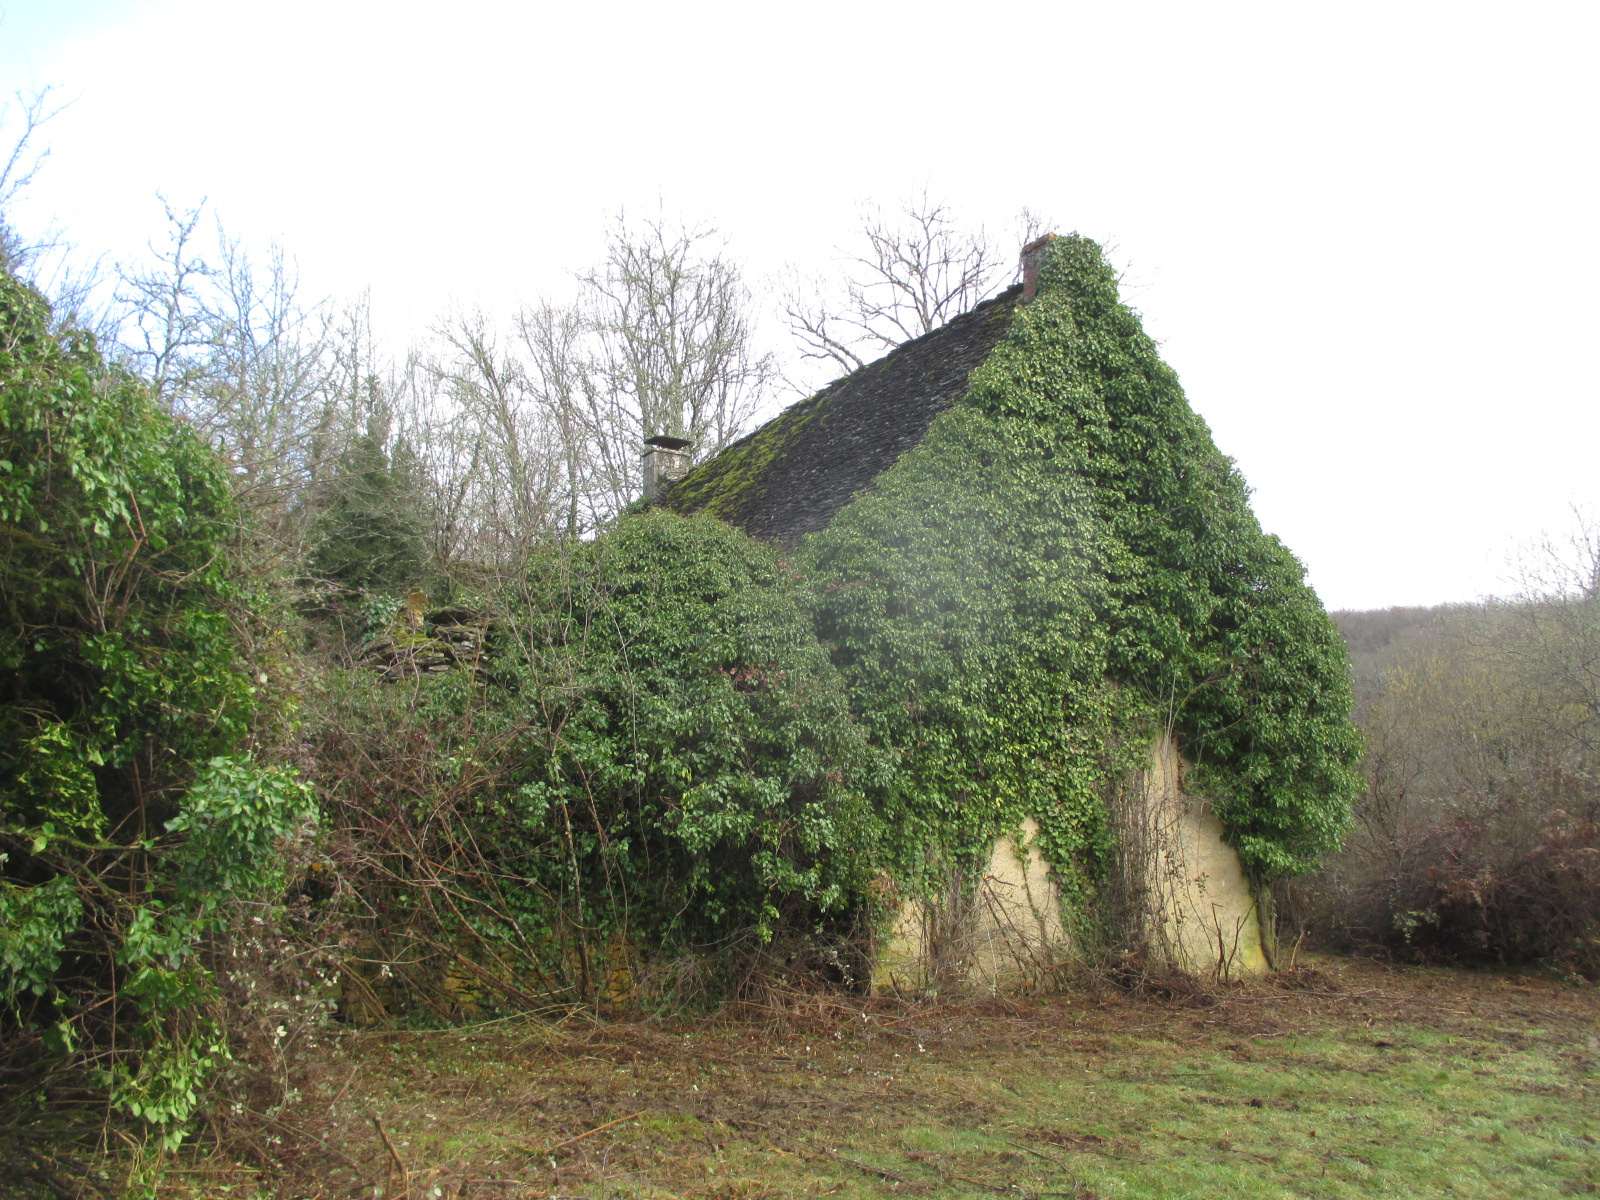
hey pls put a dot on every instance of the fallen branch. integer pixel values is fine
(878, 1171)
(592, 1132)
(394, 1155)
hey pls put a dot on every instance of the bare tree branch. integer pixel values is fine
(918, 270)
(17, 170)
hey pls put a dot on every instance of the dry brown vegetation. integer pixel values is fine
(1477, 839)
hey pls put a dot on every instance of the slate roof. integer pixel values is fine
(793, 475)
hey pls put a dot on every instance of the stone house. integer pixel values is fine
(1060, 369)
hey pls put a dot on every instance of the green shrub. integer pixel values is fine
(707, 733)
(657, 764)
(127, 830)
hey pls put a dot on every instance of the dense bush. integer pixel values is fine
(655, 763)
(129, 827)
(708, 747)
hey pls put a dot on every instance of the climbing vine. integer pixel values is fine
(1064, 566)
(682, 738)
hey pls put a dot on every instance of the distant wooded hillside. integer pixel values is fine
(1478, 836)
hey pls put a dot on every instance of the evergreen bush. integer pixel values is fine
(130, 823)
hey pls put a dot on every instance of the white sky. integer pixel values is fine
(1365, 233)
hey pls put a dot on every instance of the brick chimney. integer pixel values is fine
(665, 462)
(1032, 260)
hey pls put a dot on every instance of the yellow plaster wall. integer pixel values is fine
(1203, 916)
(1010, 936)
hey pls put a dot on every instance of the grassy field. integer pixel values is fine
(1358, 1081)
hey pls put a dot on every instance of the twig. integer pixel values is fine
(1294, 955)
(878, 1171)
(595, 1130)
(348, 1080)
(1222, 1144)
(1032, 1151)
(980, 1183)
(405, 1174)
(295, 1130)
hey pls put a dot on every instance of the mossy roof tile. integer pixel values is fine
(793, 475)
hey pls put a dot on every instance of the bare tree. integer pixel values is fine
(283, 389)
(18, 166)
(45, 259)
(166, 332)
(918, 270)
(673, 337)
(658, 342)
(1549, 635)
(534, 432)
(562, 374)
(280, 386)
(1563, 565)
(513, 486)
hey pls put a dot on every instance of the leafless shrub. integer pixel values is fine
(1516, 881)
(1478, 838)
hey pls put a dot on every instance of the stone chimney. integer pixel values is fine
(1032, 260)
(665, 462)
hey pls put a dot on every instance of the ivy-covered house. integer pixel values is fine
(1115, 708)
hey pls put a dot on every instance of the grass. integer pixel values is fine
(1371, 1082)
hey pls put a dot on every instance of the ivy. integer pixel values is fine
(1064, 566)
(712, 740)
(34, 925)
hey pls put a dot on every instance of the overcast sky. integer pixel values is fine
(1365, 234)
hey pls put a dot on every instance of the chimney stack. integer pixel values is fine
(1032, 260)
(665, 462)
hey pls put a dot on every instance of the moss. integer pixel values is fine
(717, 487)
(793, 476)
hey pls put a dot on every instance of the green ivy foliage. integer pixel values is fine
(688, 767)
(125, 829)
(680, 738)
(1064, 566)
